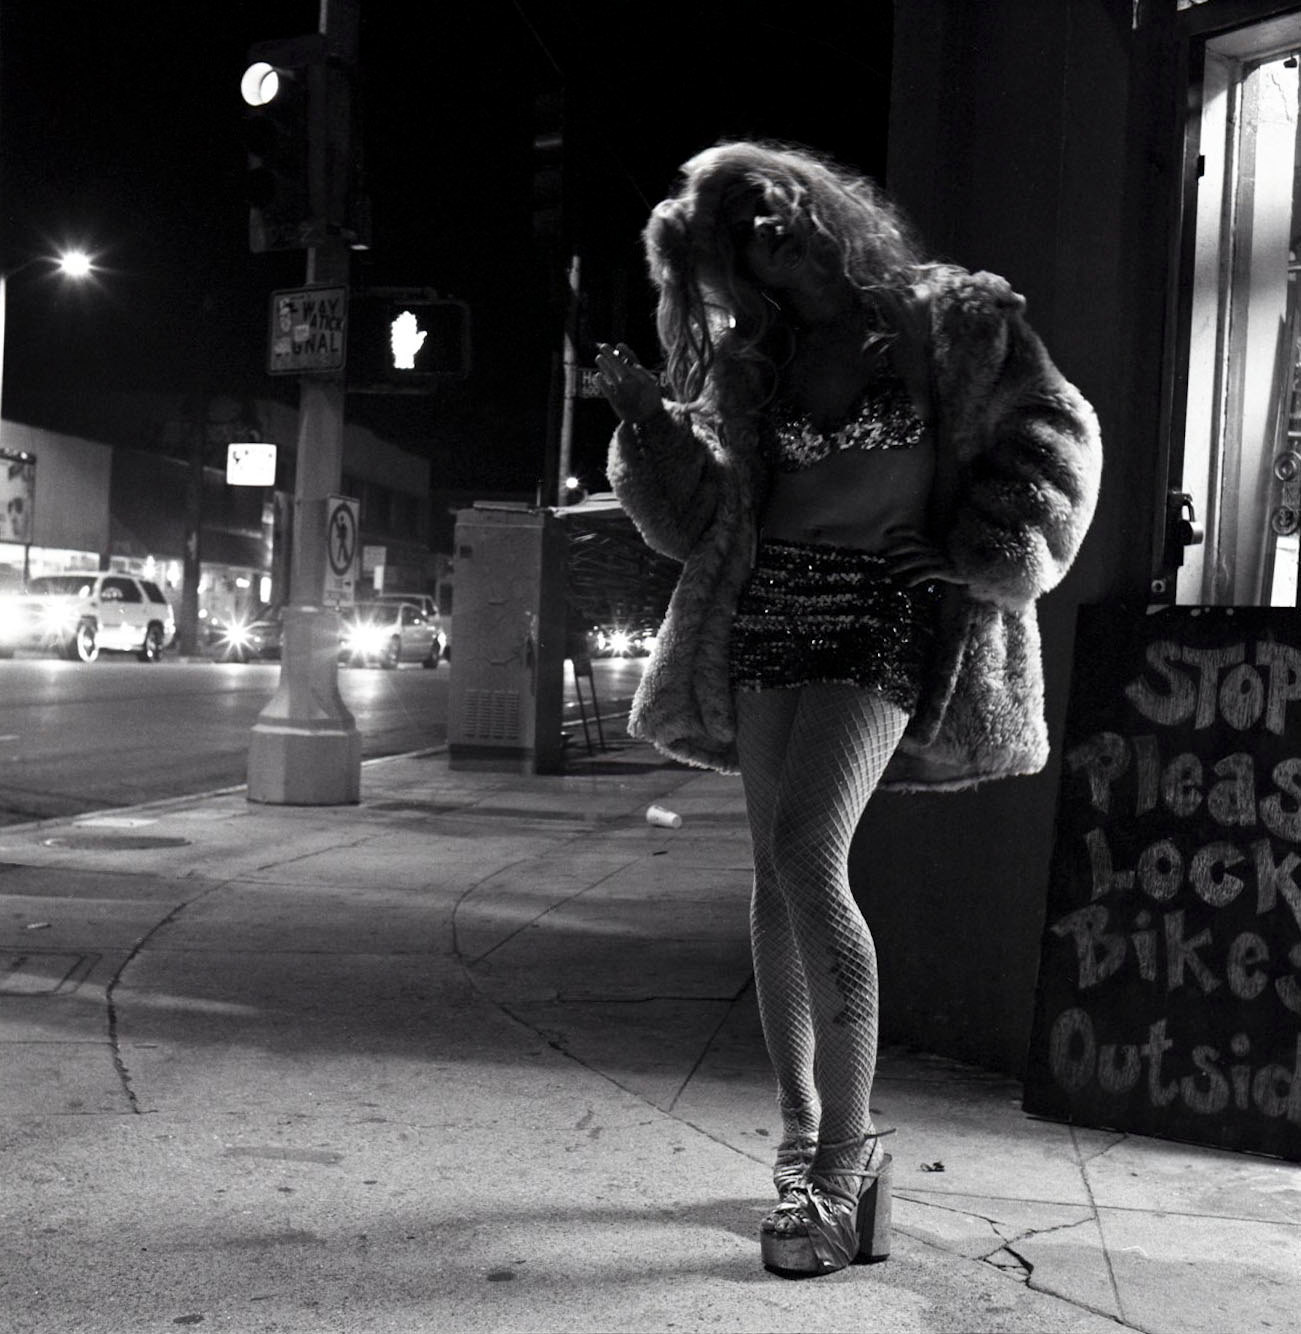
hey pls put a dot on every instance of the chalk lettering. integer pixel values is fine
(1246, 981)
(1275, 878)
(1176, 704)
(1181, 785)
(1077, 1059)
(1209, 663)
(1280, 822)
(1209, 875)
(1181, 952)
(1233, 801)
(1118, 1078)
(1148, 774)
(1072, 1069)
(1284, 663)
(1224, 684)
(1144, 942)
(1103, 758)
(1215, 1096)
(1098, 953)
(1241, 1074)
(1288, 990)
(1161, 869)
(1104, 878)
(1159, 1094)
(1242, 697)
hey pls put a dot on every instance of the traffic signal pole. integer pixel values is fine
(305, 748)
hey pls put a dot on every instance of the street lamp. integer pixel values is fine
(75, 264)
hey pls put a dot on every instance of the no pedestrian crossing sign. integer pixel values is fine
(342, 514)
(309, 328)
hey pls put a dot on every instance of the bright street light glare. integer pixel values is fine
(260, 84)
(76, 263)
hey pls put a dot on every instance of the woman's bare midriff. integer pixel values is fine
(856, 498)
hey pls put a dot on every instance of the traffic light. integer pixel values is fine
(548, 166)
(277, 88)
(406, 339)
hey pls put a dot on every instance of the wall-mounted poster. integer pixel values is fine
(17, 496)
(1169, 997)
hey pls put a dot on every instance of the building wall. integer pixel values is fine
(72, 488)
(393, 486)
(1009, 148)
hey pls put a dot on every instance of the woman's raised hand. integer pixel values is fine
(630, 389)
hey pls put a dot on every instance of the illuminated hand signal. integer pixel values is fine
(406, 338)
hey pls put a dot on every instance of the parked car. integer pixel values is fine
(258, 637)
(79, 615)
(389, 633)
(430, 608)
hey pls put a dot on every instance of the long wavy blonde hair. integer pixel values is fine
(719, 330)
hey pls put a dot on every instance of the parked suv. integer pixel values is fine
(80, 614)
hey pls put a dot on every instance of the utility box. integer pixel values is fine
(508, 654)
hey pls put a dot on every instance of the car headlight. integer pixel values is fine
(59, 619)
(236, 636)
(365, 639)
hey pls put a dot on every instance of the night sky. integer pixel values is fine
(121, 130)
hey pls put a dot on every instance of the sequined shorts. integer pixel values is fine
(830, 615)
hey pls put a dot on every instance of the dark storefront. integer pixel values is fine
(1130, 166)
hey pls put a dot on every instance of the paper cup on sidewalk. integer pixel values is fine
(661, 815)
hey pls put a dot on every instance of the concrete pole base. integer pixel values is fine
(305, 749)
(290, 766)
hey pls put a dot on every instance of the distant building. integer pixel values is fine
(111, 507)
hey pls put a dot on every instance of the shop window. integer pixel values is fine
(1242, 406)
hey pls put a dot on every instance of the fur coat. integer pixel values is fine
(1019, 464)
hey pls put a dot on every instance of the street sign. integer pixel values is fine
(308, 331)
(342, 516)
(250, 465)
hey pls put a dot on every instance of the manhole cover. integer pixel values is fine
(114, 842)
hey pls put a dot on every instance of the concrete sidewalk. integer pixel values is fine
(482, 1054)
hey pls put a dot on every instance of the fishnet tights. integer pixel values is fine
(810, 759)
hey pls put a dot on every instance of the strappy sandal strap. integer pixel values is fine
(858, 1143)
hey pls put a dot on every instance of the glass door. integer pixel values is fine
(1241, 487)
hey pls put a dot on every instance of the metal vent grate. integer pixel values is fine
(492, 715)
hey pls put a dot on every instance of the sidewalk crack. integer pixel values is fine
(114, 1041)
(708, 1044)
(524, 926)
(1093, 1206)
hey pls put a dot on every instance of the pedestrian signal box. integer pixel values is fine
(406, 341)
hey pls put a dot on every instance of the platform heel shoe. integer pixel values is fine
(817, 1229)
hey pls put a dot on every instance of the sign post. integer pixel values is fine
(341, 551)
(305, 748)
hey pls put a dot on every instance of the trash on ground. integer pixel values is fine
(661, 815)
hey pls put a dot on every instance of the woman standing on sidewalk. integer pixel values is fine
(870, 470)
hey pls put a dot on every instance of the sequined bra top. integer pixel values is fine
(884, 418)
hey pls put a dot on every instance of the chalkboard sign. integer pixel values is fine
(1169, 997)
